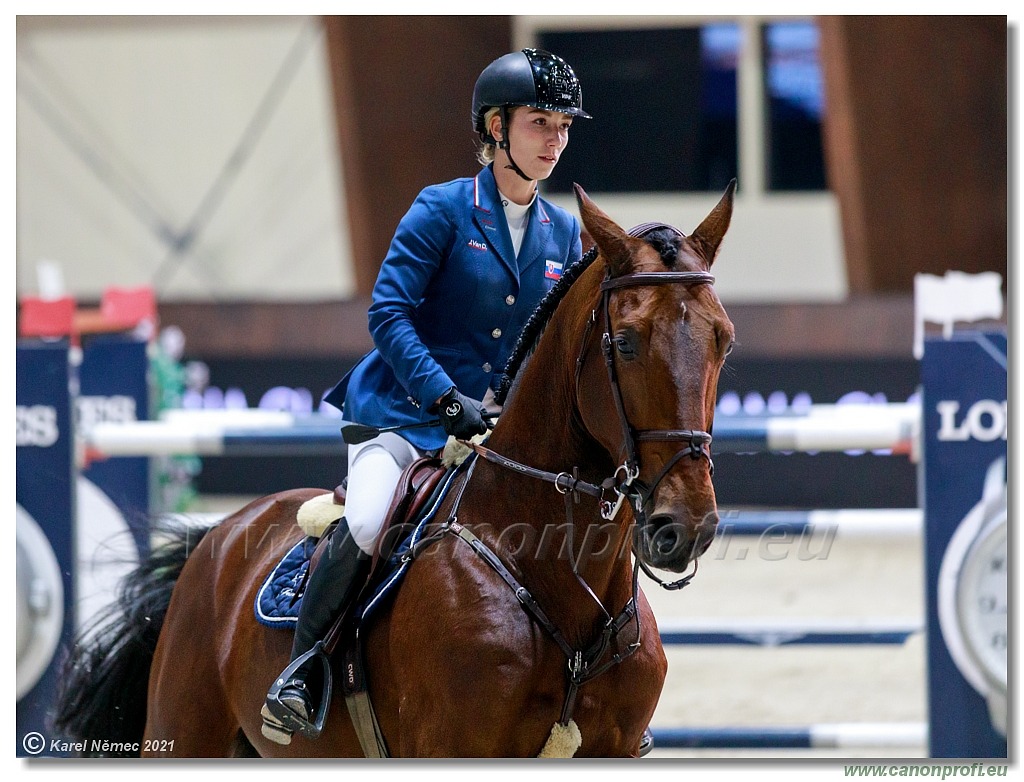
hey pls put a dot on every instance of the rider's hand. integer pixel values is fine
(461, 416)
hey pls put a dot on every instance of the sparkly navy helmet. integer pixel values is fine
(532, 77)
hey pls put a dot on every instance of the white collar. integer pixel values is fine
(514, 210)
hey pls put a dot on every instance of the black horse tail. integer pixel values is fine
(105, 678)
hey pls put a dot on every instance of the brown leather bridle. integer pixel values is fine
(697, 441)
(625, 482)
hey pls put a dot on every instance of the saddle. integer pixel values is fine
(278, 599)
(418, 489)
(420, 484)
(416, 486)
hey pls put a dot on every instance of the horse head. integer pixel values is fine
(651, 402)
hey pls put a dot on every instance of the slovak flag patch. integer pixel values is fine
(552, 270)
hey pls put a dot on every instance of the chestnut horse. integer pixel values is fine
(613, 399)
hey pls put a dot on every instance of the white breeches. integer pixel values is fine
(374, 468)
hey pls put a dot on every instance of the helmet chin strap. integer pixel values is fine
(504, 144)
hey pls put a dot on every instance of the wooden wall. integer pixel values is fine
(865, 326)
(915, 137)
(403, 88)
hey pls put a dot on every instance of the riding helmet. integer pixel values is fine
(532, 77)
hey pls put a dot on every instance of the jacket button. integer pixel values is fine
(413, 402)
(510, 300)
(486, 367)
(496, 333)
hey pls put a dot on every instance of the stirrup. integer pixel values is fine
(288, 719)
(646, 742)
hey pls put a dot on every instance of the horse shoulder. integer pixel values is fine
(454, 601)
(454, 636)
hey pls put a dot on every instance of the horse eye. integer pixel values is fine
(624, 344)
(721, 335)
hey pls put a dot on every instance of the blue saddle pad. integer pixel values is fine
(276, 604)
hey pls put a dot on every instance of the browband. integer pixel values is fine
(657, 278)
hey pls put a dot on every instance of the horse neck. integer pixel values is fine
(540, 427)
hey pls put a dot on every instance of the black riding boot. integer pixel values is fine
(327, 592)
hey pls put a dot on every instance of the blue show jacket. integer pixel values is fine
(450, 301)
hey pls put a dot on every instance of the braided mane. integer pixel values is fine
(534, 327)
(665, 240)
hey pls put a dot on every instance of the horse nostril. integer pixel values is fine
(666, 535)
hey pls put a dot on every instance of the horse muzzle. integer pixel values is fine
(672, 540)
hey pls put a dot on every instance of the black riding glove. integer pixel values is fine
(461, 416)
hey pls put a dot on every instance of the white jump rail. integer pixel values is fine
(840, 735)
(788, 632)
(249, 432)
(875, 523)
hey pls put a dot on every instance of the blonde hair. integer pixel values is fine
(485, 151)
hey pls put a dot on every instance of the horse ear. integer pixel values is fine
(708, 235)
(611, 240)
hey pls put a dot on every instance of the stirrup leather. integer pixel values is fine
(288, 718)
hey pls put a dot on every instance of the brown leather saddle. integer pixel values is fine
(416, 486)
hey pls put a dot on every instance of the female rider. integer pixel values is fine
(467, 265)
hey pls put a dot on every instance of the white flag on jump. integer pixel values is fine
(957, 296)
